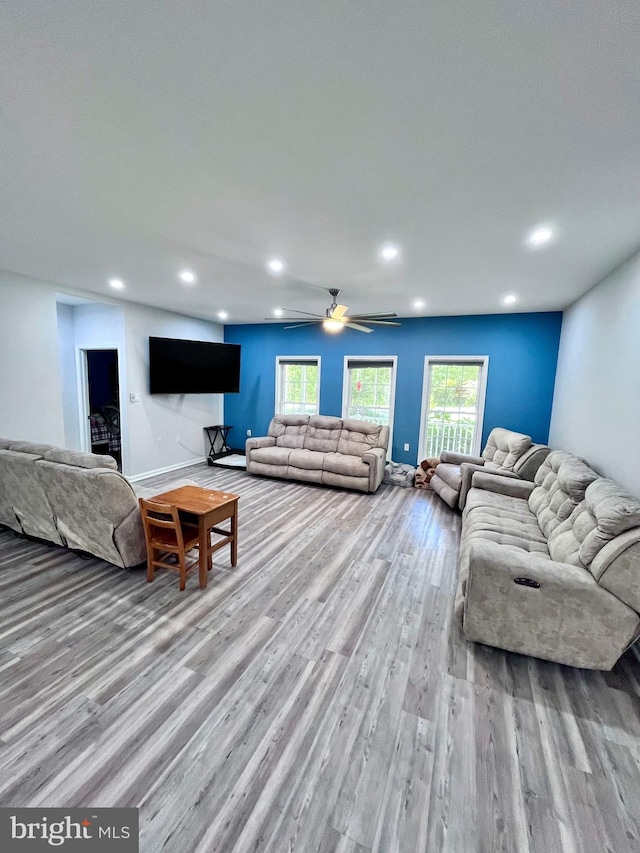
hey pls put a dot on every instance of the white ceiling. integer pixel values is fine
(140, 138)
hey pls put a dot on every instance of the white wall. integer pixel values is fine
(30, 380)
(101, 326)
(596, 407)
(38, 385)
(177, 420)
(67, 355)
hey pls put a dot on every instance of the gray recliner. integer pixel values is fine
(508, 453)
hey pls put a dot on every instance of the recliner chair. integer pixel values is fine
(508, 453)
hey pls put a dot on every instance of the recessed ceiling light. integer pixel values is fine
(509, 299)
(116, 283)
(389, 252)
(276, 266)
(223, 315)
(278, 312)
(187, 276)
(418, 304)
(542, 235)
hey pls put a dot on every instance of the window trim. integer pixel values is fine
(301, 359)
(426, 393)
(393, 361)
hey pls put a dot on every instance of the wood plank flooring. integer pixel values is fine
(318, 698)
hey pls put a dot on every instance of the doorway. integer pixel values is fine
(100, 415)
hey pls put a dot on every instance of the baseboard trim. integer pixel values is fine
(136, 477)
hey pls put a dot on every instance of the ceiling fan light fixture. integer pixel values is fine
(332, 326)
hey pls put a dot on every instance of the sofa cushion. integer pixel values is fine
(451, 475)
(5, 443)
(307, 460)
(504, 448)
(271, 455)
(323, 434)
(562, 488)
(502, 522)
(81, 460)
(340, 463)
(607, 511)
(289, 430)
(357, 437)
(614, 512)
(30, 447)
(511, 540)
(481, 498)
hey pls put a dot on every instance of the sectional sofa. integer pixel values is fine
(79, 500)
(551, 568)
(319, 449)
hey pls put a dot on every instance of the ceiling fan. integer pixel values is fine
(335, 317)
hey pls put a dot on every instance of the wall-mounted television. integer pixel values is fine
(193, 367)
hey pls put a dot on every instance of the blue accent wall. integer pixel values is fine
(522, 350)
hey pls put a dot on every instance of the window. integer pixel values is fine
(297, 385)
(452, 405)
(369, 390)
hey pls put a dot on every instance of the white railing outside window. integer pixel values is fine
(452, 405)
(297, 385)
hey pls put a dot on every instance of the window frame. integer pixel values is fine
(297, 359)
(483, 360)
(346, 387)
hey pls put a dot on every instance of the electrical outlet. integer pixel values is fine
(406, 447)
(249, 433)
(159, 441)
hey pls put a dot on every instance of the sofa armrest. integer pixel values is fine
(376, 459)
(261, 441)
(458, 458)
(467, 470)
(522, 602)
(505, 483)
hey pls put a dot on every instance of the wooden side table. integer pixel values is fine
(209, 509)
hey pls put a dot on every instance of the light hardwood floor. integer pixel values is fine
(318, 698)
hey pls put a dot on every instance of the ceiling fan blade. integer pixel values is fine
(299, 325)
(308, 313)
(356, 326)
(382, 322)
(291, 319)
(338, 312)
(373, 316)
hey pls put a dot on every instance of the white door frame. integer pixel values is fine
(426, 392)
(393, 360)
(82, 372)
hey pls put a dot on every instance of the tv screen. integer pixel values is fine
(193, 367)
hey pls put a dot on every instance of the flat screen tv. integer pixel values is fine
(193, 367)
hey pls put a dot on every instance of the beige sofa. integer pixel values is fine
(319, 449)
(508, 453)
(552, 568)
(74, 499)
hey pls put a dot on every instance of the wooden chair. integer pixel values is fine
(166, 536)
